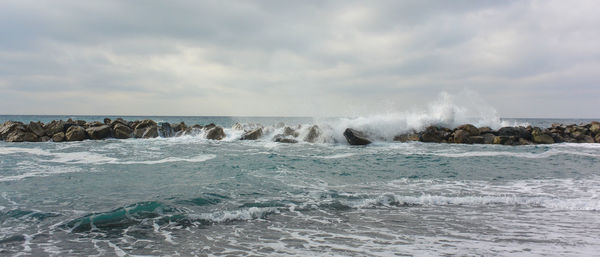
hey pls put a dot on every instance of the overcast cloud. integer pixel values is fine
(307, 58)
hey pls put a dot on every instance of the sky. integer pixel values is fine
(297, 58)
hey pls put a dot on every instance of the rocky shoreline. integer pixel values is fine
(78, 130)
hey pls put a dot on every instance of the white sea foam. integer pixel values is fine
(199, 158)
(541, 155)
(242, 215)
(337, 156)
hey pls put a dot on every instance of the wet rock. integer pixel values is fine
(209, 126)
(119, 121)
(179, 129)
(146, 129)
(543, 139)
(81, 123)
(21, 136)
(10, 127)
(504, 140)
(215, 133)
(107, 121)
(281, 138)
(523, 141)
(477, 140)
(595, 128)
(252, 135)
(355, 137)
(462, 136)
(470, 129)
(54, 127)
(99, 132)
(586, 139)
(287, 131)
(165, 130)
(484, 130)
(597, 138)
(237, 126)
(93, 124)
(58, 137)
(75, 133)
(44, 138)
(37, 128)
(313, 134)
(122, 131)
(407, 137)
(434, 134)
(517, 132)
(488, 138)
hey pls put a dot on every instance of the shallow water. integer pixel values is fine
(192, 196)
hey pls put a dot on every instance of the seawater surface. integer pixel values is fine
(188, 196)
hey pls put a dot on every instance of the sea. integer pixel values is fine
(189, 196)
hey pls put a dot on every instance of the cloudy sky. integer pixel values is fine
(297, 58)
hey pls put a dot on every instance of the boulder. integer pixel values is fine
(462, 136)
(407, 137)
(107, 121)
(165, 129)
(470, 129)
(523, 141)
(355, 137)
(434, 134)
(119, 121)
(179, 129)
(237, 126)
(586, 139)
(54, 127)
(313, 134)
(37, 128)
(215, 133)
(488, 138)
(93, 124)
(287, 131)
(484, 130)
(9, 127)
(75, 133)
(542, 139)
(504, 140)
(281, 138)
(517, 132)
(595, 128)
(58, 137)
(122, 131)
(99, 132)
(252, 135)
(209, 126)
(597, 138)
(146, 129)
(22, 136)
(477, 140)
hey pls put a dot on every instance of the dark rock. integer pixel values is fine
(470, 129)
(122, 131)
(21, 136)
(595, 128)
(504, 140)
(313, 134)
(107, 121)
(10, 127)
(281, 138)
(119, 121)
(523, 141)
(93, 124)
(37, 128)
(462, 136)
(99, 132)
(484, 130)
(179, 127)
(488, 138)
(58, 137)
(477, 140)
(434, 134)
(586, 139)
(252, 135)
(80, 123)
(543, 139)
(407, 137)
(287, 131)
(597, 138)
(355, 137)
(75, 133)
(146, 129)
(165, 130)
(54, 127)
(215, 133)
(209, 126)
(517, 132)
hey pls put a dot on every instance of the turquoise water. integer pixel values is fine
(191, 196)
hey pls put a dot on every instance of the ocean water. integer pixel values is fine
(189, 196)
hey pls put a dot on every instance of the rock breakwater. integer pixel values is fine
(78, 130)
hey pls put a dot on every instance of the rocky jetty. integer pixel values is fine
(78, 130)
(469, 134)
